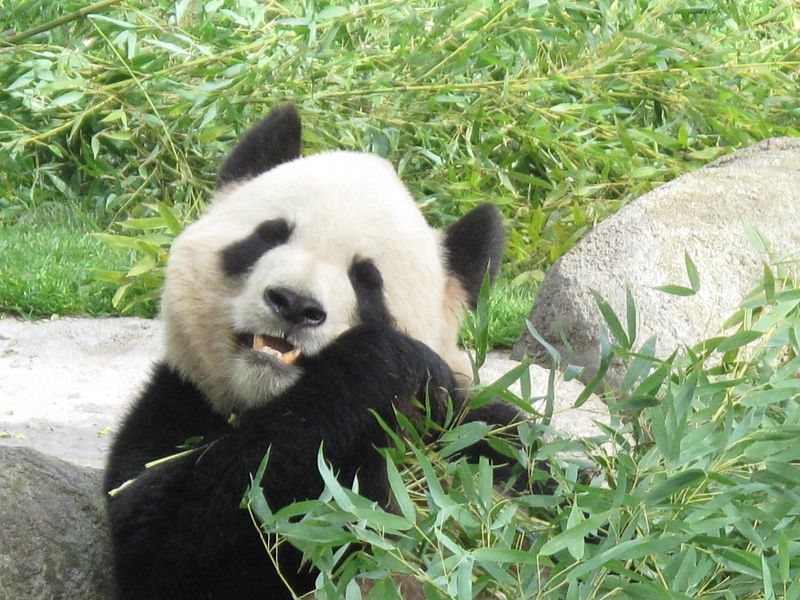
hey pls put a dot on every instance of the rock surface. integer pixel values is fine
(53, 544)
(643, 245)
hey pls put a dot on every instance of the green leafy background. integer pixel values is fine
(558, 112)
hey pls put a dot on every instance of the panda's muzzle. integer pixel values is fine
(272, 346)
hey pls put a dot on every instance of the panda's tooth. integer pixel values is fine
(259, 341)
(260, 345)
(271, 352)
(290, 357)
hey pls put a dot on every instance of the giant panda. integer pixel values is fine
(311, 293)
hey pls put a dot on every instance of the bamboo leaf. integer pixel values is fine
(675, 484)
(573, 535)
(610, 317)
(332, 484)
(400, 493)
(737, 340)
(691, 271)
(676, 290)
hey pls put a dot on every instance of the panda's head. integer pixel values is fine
(295, 251)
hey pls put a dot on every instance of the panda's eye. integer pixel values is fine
(242, 255)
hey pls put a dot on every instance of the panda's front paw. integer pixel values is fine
(426, 381)
(438, 386)
(386, 363)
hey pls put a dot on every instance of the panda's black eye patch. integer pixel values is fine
(242, 255)
(367, 283)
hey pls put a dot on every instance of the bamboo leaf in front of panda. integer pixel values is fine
(254, 499)
(332, 484)
(463, 436)
(398, 452)
(482, 322)
(399, 491)
(435, 493)
(409, 428)
(381, 521)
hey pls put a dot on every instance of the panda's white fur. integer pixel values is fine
(341, 206)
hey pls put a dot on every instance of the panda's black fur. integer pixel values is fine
(177, 529)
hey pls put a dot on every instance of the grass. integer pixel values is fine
(700, 497)
(45, 267)
(508, 307)
(556, 112)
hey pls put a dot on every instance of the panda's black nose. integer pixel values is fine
(294, 308)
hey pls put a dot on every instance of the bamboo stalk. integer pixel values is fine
(78, 14)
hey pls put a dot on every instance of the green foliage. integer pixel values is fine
(699, 497)
(557, 112)
(43, 271)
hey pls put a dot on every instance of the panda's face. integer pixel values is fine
(287, 260)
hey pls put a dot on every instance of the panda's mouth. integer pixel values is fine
(271, 346)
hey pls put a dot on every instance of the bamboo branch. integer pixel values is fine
(78, 14)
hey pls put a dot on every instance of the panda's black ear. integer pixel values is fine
(274, 140)
(474, 243)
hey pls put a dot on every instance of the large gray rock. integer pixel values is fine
(53, 543)
(643, 245)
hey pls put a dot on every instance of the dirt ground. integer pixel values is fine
(64, 384)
